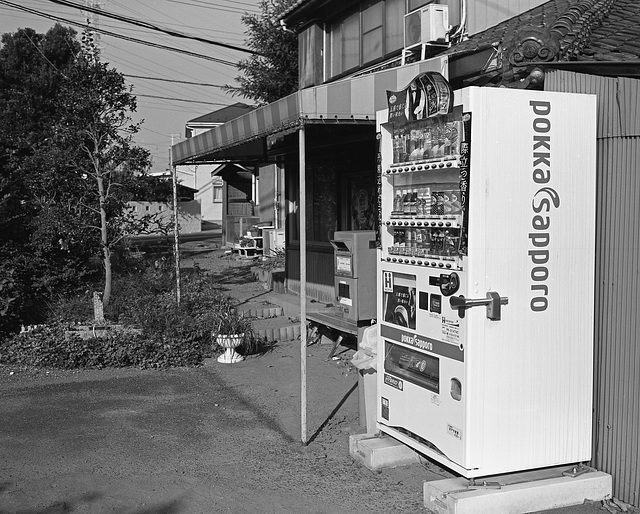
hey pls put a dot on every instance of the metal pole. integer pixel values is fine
(303, 287)
(176, 229)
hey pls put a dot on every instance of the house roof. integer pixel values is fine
(603, 30)
(591, 36)
(223, 115)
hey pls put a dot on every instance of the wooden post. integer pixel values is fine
(303, 287)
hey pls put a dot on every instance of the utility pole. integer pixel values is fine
(176, 228)
(92, 21)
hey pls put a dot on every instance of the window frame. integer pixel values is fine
(334, 65)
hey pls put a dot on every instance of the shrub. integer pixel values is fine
(171, 334)
(48, 347)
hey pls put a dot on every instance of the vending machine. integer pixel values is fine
(354, 257)
(486, 280)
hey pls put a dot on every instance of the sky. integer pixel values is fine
(164, 106)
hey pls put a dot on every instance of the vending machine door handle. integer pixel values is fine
(493, 302)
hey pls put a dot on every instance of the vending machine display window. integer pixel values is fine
(428, 185)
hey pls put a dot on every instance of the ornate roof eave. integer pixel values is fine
(516, 62)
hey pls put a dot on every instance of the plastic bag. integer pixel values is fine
(366, 356)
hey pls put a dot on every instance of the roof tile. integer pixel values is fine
(606, 30)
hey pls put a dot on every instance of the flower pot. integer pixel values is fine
(230, 343)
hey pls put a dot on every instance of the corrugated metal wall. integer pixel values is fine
(616, 444)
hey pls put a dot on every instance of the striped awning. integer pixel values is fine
(354, 100)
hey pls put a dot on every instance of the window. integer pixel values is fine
(394, 24)
(372, 42)
(373, 30)
(217, 193)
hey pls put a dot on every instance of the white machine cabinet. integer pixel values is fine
(486, 281)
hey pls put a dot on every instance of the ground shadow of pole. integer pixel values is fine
(333, 413)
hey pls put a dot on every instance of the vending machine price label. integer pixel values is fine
(393, 382)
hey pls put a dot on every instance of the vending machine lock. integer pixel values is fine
(493, 301)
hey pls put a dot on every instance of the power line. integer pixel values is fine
(181, 100)
(116, 35)
(215, 7)
(150, 26)
(206, 5)
(174, 81)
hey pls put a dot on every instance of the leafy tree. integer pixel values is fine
(95, 120)
(272, 72)
(32, 68)
(67, 165)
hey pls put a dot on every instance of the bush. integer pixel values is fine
(48, 347)
(171, 334)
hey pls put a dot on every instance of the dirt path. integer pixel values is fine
(213, 439)
(221, 438)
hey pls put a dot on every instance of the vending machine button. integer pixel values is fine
(419, 223)
(393, 260)
(413, 168)
(433, 223)
(440, 224)
(389, 223)
(441, 165)
(420, 167)
(447, 224)
(441, 265)
(413, 261)
(412, 223)
(406, 223)
(434, 166)
(449, 164)
(448, 265)
(388, 259)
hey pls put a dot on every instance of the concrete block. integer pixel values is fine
(379, 452)
(518, 493)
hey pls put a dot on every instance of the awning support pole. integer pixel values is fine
(303, 286)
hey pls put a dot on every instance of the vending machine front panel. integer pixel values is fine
(488, 290)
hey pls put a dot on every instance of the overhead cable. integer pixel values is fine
(116, 35)
(174, 81)
(150, 26)
(180, 100)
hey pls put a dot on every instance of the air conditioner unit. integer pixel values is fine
(428, 24)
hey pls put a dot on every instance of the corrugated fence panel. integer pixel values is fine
(616, 444)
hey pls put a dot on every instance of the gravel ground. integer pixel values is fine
(219, 438)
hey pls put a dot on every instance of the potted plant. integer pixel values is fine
(231, 329)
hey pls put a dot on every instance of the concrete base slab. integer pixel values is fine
(380, 451)
(516, 493)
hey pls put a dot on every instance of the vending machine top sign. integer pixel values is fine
(428, 95)
(485, 278)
